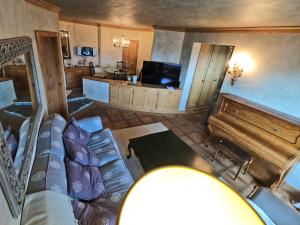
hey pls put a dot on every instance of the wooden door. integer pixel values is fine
(211, 64)
(51, 60)
(129, 56)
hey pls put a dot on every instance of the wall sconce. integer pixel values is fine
(235, 71)
(238, 64)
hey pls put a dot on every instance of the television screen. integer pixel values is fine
(166, 74)
(86, 51)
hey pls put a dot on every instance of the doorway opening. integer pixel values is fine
(51, 61)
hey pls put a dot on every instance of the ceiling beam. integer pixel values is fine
(275, 29)
(71, 20)
(44, 4)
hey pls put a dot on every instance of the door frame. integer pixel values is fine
(61, 83)
(190, 76)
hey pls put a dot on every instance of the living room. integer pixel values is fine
(147, 90)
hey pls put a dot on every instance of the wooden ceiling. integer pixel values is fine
(184, 13)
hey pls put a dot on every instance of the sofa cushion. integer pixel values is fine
(80, 153)
(279, 212)
(50, 137)
(48, 173)
(91, 124)
(12, 145)
(84, 183)
(99, 211)
(117, 180)
(76, 134)
(48, 208)
(261, 213)
(103, 144)
(23, 142)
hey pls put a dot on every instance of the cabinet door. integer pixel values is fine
(125, 94)
(173, 101)
(216, 67)
(138, 97)
(168, 101)
(200, 74)
(114, 95)
(162, 99)
(150, 98)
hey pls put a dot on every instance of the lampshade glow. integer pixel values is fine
(184, 196)
(243, 60)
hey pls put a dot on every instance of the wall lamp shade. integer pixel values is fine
(239, 63)
(178, 195)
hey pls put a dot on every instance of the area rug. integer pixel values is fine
(122, 137)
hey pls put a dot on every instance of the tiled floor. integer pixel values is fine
(188, 126)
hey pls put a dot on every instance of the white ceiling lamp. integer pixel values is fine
(179, 195)
(121, 41)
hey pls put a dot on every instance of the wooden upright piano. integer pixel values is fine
(272, 138)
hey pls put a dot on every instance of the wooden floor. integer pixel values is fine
(188, 126)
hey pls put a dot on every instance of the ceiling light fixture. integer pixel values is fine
(121, 41)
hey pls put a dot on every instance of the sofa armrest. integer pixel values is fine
(91, 124)
(277, 210)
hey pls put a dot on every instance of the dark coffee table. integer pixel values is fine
(163, 149)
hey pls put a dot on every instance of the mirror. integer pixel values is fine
(65, 44)
(20, 118)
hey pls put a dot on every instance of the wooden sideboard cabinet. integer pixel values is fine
(145, 98)
(74, 76)
(19, 76)
(134, 97)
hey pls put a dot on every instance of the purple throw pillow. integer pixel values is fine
(75, 133)
(80, 153)
(12, 145)
(99, 211)
(84, 183)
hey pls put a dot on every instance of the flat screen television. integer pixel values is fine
(166, 74)
(86, 51)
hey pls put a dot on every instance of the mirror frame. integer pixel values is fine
(14, 185)
(65, 34)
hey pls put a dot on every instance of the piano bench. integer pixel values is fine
(240, 156)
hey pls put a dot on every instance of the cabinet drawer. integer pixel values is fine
(262, 120)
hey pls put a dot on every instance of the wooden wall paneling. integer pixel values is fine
(130, 55)
(51, 60)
